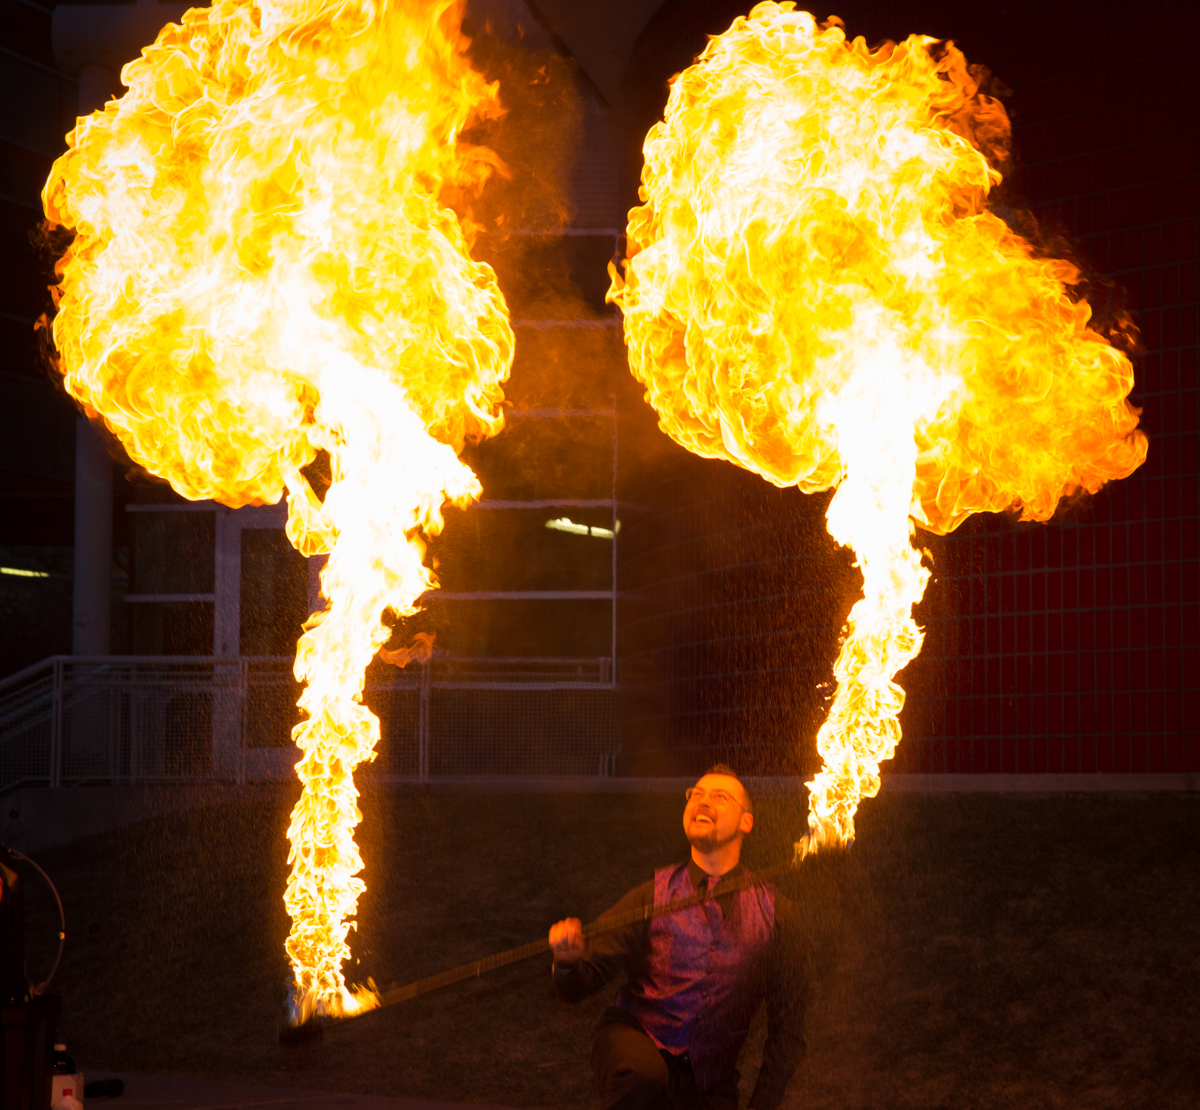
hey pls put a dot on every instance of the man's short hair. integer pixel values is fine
(729, 772)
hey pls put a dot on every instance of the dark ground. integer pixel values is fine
(970, 952)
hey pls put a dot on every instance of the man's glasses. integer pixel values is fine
(719, 798)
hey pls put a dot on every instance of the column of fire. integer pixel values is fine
(817, 290)
(265, 265)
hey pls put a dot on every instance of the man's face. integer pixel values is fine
(715, 815)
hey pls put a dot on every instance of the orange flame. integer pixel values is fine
(265, 265)
(816, 291)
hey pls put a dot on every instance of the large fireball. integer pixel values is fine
(817, 291)
(266, 264)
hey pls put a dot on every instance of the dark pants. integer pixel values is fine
(633, 1074)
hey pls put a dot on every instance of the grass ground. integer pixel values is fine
(969, 952)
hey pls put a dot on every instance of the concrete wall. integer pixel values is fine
(38, 818)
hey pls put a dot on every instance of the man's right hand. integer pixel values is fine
(566, 941)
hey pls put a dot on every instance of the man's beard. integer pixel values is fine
(709, 842)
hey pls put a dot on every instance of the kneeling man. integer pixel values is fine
(696, 977)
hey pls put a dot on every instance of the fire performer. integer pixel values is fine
(695, 978)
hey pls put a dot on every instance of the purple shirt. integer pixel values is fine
(775, 972)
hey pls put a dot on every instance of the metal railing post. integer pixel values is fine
(616, 531)
(423, 724)
(113, 701)
(135, 729)
(153, 700)
(56, 725)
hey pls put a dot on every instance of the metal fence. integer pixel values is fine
(75, 720)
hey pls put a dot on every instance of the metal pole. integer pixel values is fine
(56, 704)
(113, 697)
(136, 701)
(93, 42)
(91, 603)
(615, 526)
(91, 616)
(227, 647)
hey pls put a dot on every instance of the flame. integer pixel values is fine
(816, 291)
(265, 265)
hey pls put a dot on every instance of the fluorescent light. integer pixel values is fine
(24, 573)
(566, 524)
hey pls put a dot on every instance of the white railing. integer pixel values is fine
(73, 720)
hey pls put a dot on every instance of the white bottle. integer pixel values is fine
(66, 1093)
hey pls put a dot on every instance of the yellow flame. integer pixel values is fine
(816, 291)
(265, 265)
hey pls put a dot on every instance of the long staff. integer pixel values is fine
(311, 1029)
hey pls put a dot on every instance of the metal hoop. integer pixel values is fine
(62, 921)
